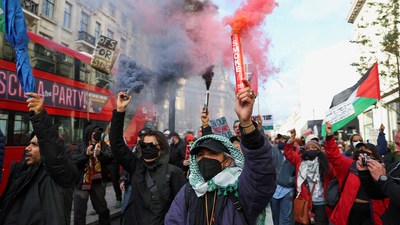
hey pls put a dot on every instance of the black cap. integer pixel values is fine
(370, 146)
(210, 144)
(173, 134)
(141, 133)
(97, 129)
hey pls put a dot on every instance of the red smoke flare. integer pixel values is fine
(247, 22)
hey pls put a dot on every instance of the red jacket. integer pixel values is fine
(342, 165)
(296, 160)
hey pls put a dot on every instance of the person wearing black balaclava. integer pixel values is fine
(313, 171)
(91, 157)
(154, 181)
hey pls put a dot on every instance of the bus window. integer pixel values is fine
(43, 58)
(65, 65)
(22, 129)
(3, 123)
(7, 52)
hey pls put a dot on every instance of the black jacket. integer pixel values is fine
(143, 207)
(40, 194)
(178, 154)
(79, 156)
(380, 190)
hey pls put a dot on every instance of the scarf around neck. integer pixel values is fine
(310, 169)
(227, 180)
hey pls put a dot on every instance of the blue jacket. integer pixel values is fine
(287, 175)
(2, 153)
(257, 184)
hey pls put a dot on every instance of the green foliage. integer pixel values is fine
(387, 23)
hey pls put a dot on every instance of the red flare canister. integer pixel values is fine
(238, 61)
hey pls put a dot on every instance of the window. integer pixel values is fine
(45, 36)
(122, 46)
(123, 20)
(97, 31)
(111, 10)
(368, 123)
(48, 8)
(110, 34)
(67, 15)
(133, 51)
(84, 22)
(62, 43)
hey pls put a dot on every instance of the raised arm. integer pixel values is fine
(382, 142)
(257, 182)
(339, 162)
(52, 152)
(293, 157)
(120, 150)
(205, 119)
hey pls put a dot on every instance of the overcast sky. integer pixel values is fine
(296, 27)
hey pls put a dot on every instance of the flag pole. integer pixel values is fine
(87, 95)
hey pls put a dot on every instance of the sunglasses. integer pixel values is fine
(144, 144)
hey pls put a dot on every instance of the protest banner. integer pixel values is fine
(373, 136)
(340, 112)
(221, 127)
(267, 122)
(104, 54)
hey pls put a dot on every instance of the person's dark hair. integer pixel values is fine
(323, 163)
(161, 139)
(374, 154)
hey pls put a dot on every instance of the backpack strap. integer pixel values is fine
(154, 189)
(187, 195)
(238, 206)
(344, 182)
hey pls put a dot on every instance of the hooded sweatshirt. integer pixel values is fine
(82, 160)
(252, 178)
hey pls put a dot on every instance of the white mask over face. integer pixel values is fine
(356, 143)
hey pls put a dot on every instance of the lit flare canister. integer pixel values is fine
(238, 61)
(206, 102)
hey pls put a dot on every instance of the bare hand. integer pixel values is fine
(205, 117)
(382, 128)
(122, 186)
(359, 163)
(328, 128)
(244, 105)
(35, 104)
(186, 163)
(376, 169)
(121, 103)
(292, 134)
(259, 121)
(89, 150)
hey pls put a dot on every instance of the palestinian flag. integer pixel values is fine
(307, 133)
(2, 26)
(362, 95)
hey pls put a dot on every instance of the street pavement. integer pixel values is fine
(110, 199)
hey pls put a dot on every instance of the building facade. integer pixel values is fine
(363, 15)
(190, 99)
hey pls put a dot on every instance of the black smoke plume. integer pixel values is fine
(132, 75)
(207, 76)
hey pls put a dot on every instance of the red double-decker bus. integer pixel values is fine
(61, 76)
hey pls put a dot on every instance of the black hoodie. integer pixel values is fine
(79, 156)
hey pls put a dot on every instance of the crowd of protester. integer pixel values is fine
(203, 178)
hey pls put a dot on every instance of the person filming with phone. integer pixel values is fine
(381, 183)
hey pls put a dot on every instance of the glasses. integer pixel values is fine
(144, 144)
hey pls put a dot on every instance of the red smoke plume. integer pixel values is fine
(247, 22)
